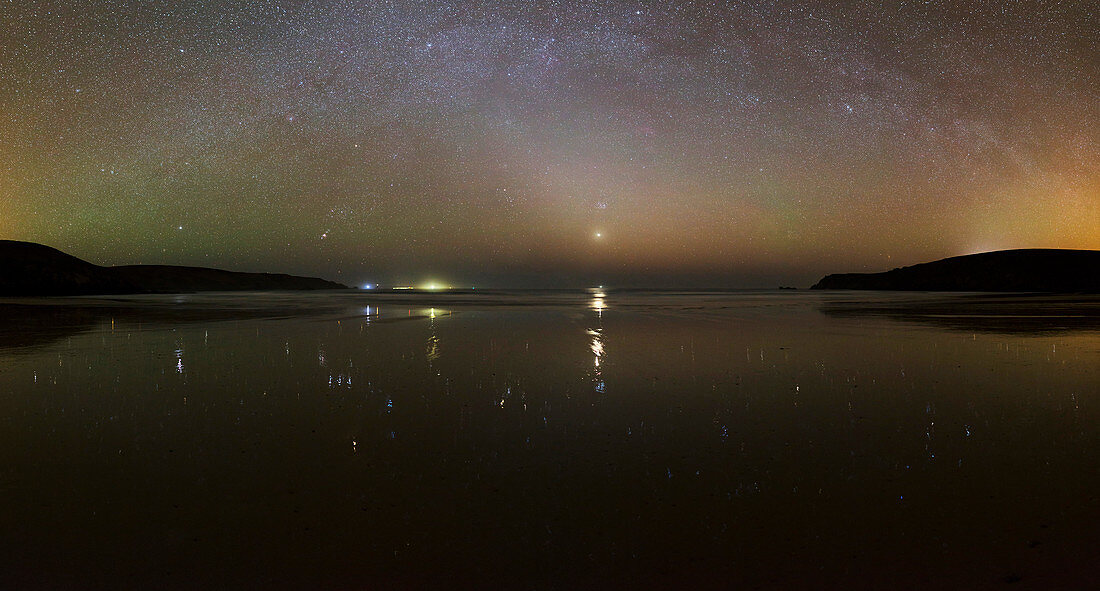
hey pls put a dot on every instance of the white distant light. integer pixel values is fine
(599, 234)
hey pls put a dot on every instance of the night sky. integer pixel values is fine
(555, 143)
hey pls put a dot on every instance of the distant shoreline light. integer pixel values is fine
(431, 286)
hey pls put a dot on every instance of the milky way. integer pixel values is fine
(549, 143)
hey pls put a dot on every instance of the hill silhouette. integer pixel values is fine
(1024, 270)
(30, 269)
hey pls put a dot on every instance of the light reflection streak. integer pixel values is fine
(433, 351)
(371, 313)
(596, 344)
(598, 303)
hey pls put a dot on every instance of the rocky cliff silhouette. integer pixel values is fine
(1024, 270)
(29, 269)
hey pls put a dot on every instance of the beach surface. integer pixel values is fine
(551, 440)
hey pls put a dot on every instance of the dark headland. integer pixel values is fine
(1024, 270)
(29, 269)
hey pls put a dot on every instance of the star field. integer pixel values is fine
(549, 143)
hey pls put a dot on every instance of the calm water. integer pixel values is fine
(550, 440)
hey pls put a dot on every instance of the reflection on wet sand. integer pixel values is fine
(598, 439)
(1011, 313)
(33, 323)
(433, 349)
(598, 302)
(28, 326)
(597, 341)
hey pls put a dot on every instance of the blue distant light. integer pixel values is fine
(368, 286)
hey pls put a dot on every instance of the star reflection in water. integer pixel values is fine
(599, 304)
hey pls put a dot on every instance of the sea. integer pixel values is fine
(568, 439)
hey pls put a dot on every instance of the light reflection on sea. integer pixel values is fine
(549, 439)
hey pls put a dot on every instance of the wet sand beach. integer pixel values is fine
(551, 440)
